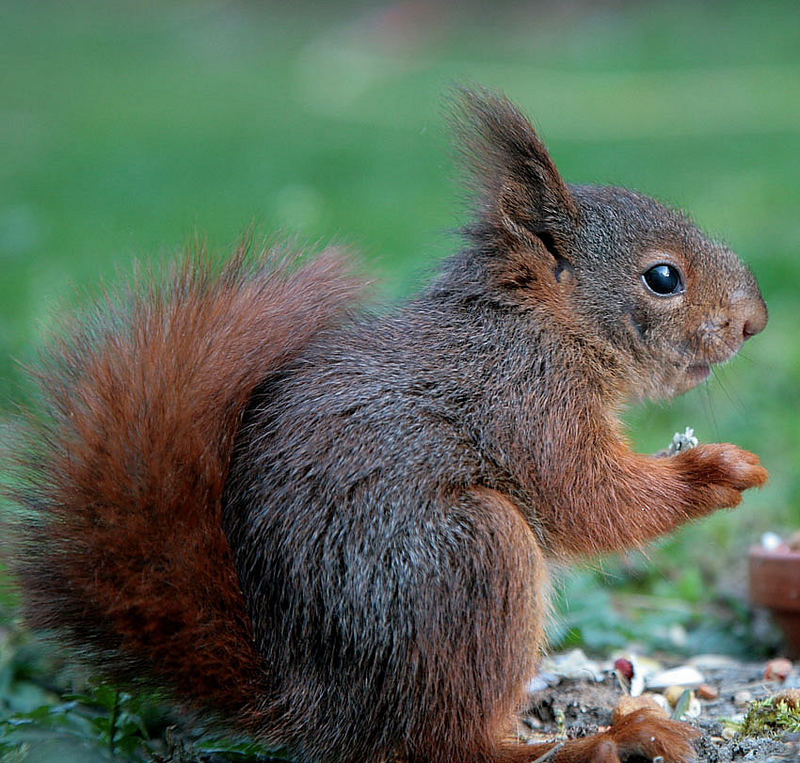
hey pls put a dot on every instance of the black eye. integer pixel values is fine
(664, 280)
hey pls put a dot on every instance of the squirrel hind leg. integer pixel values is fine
(484, 651)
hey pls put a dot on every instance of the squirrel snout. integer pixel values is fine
(753, 314)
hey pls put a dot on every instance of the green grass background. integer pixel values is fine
(129, 128)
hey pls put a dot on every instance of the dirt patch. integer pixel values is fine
(581, 706)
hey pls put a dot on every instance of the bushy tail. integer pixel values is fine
(121, 548)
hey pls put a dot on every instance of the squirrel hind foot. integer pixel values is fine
(641, 735)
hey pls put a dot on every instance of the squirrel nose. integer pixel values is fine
(754, 317)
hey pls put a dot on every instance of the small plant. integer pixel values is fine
(110, 722)
(114, 725)
(774, 715)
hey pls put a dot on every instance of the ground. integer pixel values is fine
(584, 705)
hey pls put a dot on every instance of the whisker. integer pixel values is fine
(729, 393)
(710, 407)
(745, 356)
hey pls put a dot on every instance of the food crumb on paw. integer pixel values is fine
(682, 441)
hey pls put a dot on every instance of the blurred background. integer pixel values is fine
(130, 129)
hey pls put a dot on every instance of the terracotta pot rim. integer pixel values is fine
(774, 553)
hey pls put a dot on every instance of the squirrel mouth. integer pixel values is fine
(699, 372)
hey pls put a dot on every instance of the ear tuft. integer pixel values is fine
(519, 190)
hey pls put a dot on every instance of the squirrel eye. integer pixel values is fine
(663, 279)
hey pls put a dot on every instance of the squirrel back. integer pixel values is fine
(333, 529)
(122, 551)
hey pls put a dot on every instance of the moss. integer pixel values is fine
(774, 715)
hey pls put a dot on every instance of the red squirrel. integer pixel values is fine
(331, 529)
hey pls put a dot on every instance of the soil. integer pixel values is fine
(582, 706)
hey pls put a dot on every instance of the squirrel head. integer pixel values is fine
(602, 265)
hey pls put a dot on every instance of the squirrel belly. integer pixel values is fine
(331, 530)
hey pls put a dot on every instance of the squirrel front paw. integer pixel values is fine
(718, 473)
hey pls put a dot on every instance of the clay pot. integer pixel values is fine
(775, 584)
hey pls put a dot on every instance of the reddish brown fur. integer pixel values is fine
(639, 735)
(604, 497)
(334, 532)
(142, 567)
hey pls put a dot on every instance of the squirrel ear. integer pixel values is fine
(519, 190)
